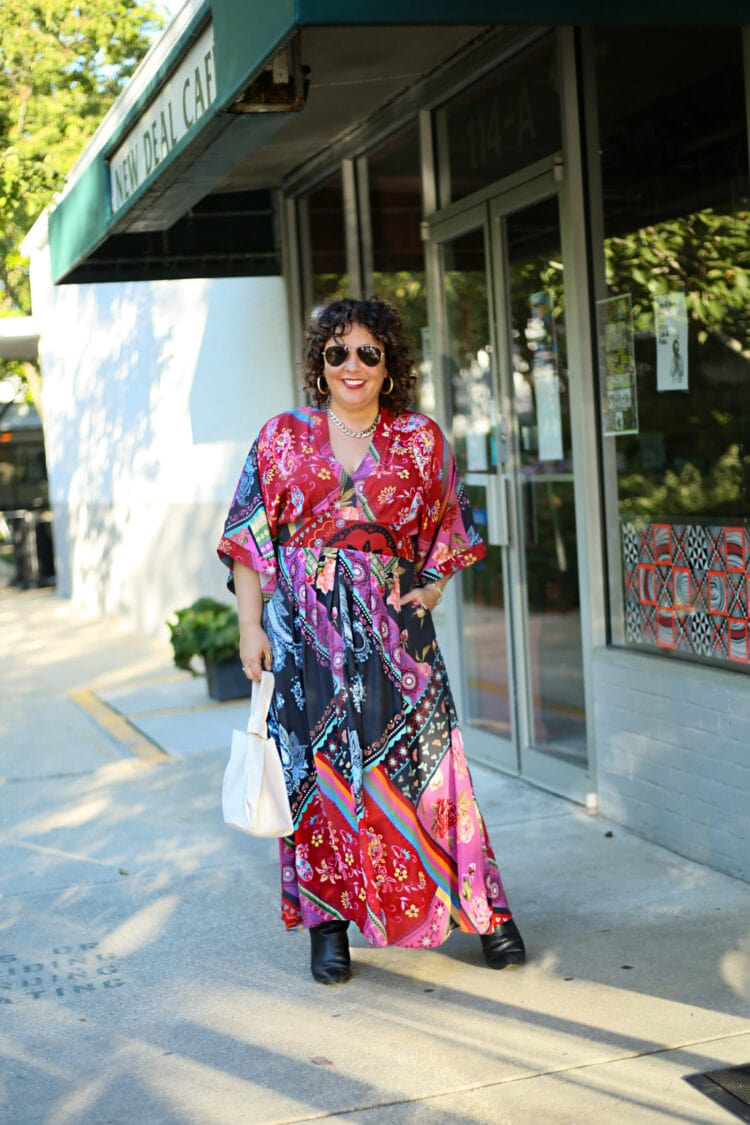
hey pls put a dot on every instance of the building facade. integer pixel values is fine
(562, 213)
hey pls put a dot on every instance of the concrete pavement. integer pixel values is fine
(145, 976)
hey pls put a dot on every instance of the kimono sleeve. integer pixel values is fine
(448, 540)
(247, 536)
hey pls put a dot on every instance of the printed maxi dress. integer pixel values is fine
(387, 831)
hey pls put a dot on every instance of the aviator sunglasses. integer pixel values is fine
(337, 354)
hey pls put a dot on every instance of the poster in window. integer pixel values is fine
(617, 364)
(476, 452)
(671, 330)
(542, 340)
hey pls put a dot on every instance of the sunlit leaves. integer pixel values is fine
(687, 490)
(61, 66)
(706, 255)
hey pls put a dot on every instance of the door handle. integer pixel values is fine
(498, 510)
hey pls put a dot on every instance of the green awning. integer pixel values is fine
(226, 87)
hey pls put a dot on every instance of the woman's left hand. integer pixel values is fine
(428, 596)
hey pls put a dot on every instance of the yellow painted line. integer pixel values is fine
(494, 688)
(491, 686)
(118, 727)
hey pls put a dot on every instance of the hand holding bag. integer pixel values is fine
(254, 797)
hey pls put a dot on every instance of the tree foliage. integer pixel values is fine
(62, 64)
(706, 255)
(691, 457)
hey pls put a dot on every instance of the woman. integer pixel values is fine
(348, 520)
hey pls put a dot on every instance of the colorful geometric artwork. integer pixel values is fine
(738, 640)
(687, 590)
(682, 586)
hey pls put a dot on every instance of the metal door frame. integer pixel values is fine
(493, 750)
(543, 768)
(487, 211)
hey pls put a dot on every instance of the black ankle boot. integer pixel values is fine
(503, 946)
(329, 953)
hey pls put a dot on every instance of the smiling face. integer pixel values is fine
(355, 387)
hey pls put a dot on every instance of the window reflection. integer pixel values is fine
(468, 370)
(504, 122)
(677, 241)
(691, 455)
(397, 254)
(468, 365)
(323, 244)
(547, 495)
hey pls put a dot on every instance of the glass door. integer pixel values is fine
(505, 381)
(530, 300)
(472, 392)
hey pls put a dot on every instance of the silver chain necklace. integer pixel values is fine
(353, 433)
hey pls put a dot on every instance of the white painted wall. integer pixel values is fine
(153, 392)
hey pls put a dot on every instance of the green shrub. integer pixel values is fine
(206, 628)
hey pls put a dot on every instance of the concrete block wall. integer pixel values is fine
(153, 393)
(673, 754)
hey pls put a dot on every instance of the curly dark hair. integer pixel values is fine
(384, 323)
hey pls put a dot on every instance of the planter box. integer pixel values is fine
(227, 681)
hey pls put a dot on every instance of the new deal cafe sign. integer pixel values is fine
(181, 102)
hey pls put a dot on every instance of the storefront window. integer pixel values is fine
(397, 255)
(505, 122)
(675, 337)
(323, 244)
(23, 476)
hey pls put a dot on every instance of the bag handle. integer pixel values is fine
(260, 701)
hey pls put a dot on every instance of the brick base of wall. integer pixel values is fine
(673, 755)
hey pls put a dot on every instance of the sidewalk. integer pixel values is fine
(145, 976)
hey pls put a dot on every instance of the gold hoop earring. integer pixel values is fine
(390, 389)
(323, 392)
